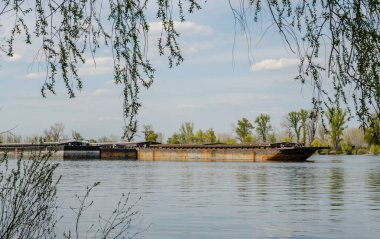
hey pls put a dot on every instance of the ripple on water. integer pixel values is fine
(331, 197)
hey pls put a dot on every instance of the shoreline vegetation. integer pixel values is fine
(306, 127)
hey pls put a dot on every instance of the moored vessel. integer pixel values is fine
(226, 153)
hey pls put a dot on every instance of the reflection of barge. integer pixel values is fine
(151, 151)
(226, 153)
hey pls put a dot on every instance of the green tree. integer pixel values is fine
(76, 136)
(294, 121)
(210, 136)
(303, 114)
(149, 134)
(312, 125)
(200, 136)
(244, 130)
(272, 138)
(262, 126)
(337, 119)
(186, 133)
(372, 132)
(174, 139)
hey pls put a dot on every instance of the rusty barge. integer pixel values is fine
(152, 151)
(226, 153)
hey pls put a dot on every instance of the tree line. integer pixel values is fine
(306, 127)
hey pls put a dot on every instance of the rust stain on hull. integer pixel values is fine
(224, 154)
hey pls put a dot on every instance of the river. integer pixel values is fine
(327, 197)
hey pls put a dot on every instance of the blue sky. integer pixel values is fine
(214, 87)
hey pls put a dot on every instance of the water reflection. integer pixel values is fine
(373, 186)
(244, 184)
(262, 182)
(336, 198)
(336, 188)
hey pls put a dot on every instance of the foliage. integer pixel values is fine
(76, 136)
(28, 198)
(262, 126)
(244, 130)
(316, 143)
(200, 136)
(10, 137)
(186, 133)
(71, 30)
(346, 147)
(346, 33)
(293, 120)
(361, 151)
(337, 120)
(287, 140)
(174, 139)
(312, 125)
(54, 133)
(210, 136)
(29, 209)
(149, 134)
(372, 132)
(272, 138)
(107, 139)
(92, 141)
(375, 149)
(355, 136)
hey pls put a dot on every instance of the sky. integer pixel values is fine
(221, 81)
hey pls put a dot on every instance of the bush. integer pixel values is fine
(361, 151)
(375, 149)
(346, 147)
(29, 210)
(28, 198)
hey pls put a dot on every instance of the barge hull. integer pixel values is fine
(224, 154)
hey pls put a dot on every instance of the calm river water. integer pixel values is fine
(329, 197)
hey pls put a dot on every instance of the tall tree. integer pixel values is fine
(186, 133)
(312, 125)
(174, 139)
(149, 134)
(210, 136)
(76, 136)
(303, 118)
(244, 130)
(337, 120)
(294, 121)
(200, 136)
(263, 127)
(54, 133)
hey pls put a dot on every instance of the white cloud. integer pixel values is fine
(36, 75)
(15, 57)
(274, 64)
(184, 28)
(97, 66)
